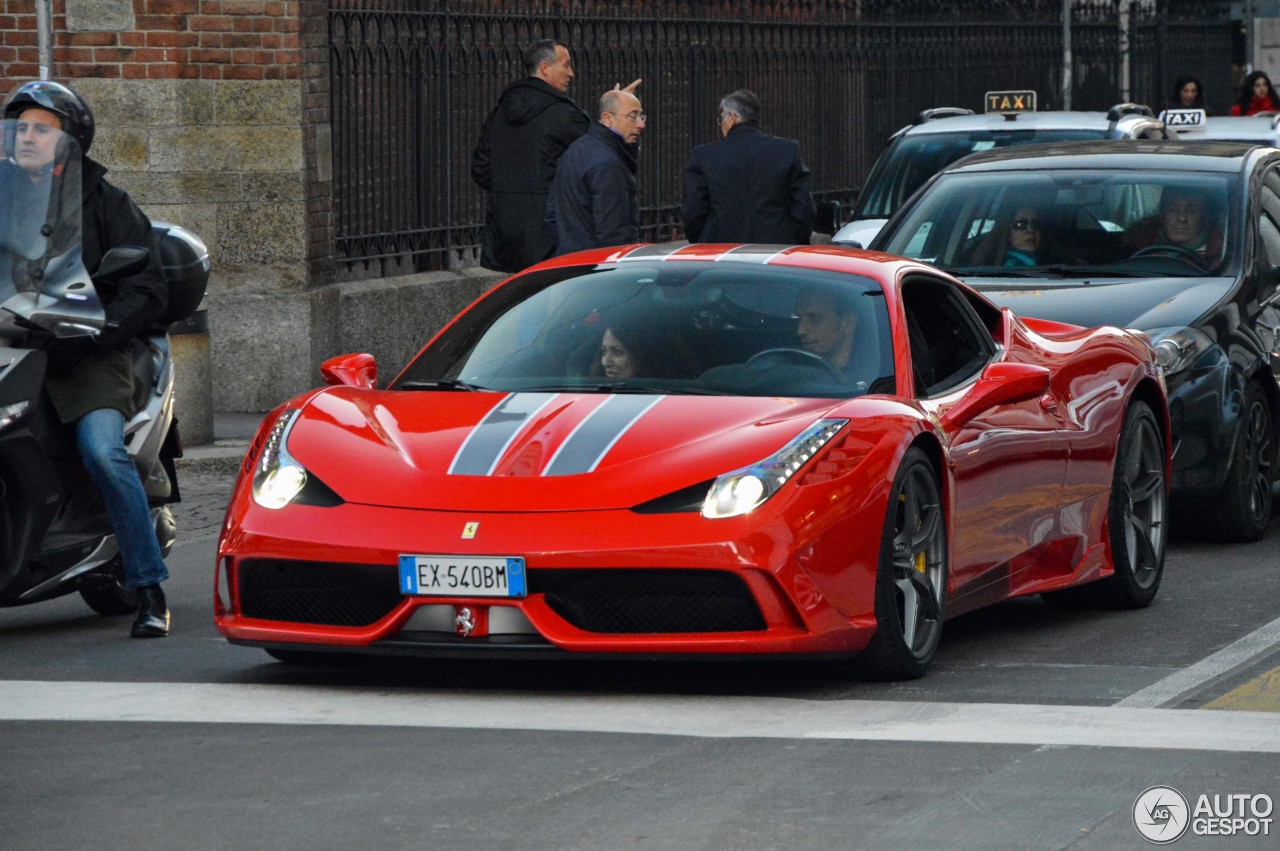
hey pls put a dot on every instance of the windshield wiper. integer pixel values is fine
(441, 384)
(624, 387)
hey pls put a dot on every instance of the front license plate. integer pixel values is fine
(462, 576)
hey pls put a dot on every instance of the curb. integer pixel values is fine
(221, 457)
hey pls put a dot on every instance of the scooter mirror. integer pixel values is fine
(122, 262)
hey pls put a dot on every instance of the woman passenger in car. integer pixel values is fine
(635, 347)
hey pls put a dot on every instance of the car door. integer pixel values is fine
(1267, 266)
(1008, 462)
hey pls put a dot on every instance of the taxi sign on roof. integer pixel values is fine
(1015, 101)
(1183, 117)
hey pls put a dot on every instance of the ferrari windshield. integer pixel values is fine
(1038, 224)
(906, 166)
(42, 275)
(733, 328)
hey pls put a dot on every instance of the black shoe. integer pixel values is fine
(153, 615)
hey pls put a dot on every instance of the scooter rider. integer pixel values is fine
(91, 380)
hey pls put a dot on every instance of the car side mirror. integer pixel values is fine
(1001, 383)
(122, 262)
(354, 370)
(828, 217)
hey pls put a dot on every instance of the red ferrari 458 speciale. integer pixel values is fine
(702, 450)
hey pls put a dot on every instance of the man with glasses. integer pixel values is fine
(593, 200)
(748, 186)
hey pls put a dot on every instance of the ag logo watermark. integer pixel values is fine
(1162, 815)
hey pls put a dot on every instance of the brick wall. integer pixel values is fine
(157, 39)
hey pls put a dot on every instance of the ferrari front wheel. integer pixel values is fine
(911, 578)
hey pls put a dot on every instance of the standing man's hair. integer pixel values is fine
(542, 50)
(744, 104)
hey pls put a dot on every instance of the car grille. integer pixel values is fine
(317, 592)
(649, 600)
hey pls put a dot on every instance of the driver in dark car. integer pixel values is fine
(827, 324)
(1185, 225)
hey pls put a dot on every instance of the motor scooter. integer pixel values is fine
(55, 534)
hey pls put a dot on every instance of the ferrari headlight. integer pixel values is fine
(277, 477)
(1178, 348)
(744, 490)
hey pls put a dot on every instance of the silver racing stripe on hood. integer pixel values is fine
(488, 441)
(586, 446)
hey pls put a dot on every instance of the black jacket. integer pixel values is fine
(593, 198)
(111, 219)
(748, 187)
(515, 162)
(87, 374)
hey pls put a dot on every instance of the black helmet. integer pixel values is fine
(77, 118)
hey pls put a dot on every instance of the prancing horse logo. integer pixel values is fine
(464, 622)
(469, 531)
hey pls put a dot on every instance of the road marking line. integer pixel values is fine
(1261, 694)
(667, 715)
(1227, 660)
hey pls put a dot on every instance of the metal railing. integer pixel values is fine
(413, 80)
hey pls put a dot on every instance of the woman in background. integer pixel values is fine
(1257, 95)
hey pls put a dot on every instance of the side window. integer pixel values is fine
(1269, 219)
(949, 344)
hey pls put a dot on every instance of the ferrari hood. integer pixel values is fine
(484, 451)
(1127, 303)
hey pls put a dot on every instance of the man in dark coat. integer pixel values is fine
(515, 158)
(749, 186)
(91, 380)
(593, 200)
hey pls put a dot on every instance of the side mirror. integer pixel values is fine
(122, 262)
(356, 370)
(1001, 383)
(828, 217)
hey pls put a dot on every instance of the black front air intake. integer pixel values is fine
(649, 600)
(317, 592)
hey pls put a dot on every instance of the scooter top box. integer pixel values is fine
(185, 260)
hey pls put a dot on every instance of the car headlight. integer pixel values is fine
(744, 490)
(277, 477)
(10, 414)
(1178, 348)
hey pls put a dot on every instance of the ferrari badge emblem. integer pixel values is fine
(469, 531)
(464, 622)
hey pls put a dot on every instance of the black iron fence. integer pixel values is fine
(412, 81)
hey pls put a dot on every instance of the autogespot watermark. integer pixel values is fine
(1162, 815)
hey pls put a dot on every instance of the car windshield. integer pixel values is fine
(904, 168)
(668, 327)
(1073, 223)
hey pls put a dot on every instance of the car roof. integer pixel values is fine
(1011, 122)
(1263, 129)
(1171, 155)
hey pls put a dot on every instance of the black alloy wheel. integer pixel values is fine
(1242, 512)
(1137, 520)
(911, 579)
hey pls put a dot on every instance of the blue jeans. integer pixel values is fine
(100, 439)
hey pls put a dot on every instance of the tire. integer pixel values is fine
(1137, 520)
(911, 577)
(105, 593)
(1243, 510)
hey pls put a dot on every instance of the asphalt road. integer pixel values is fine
(1035, 729)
